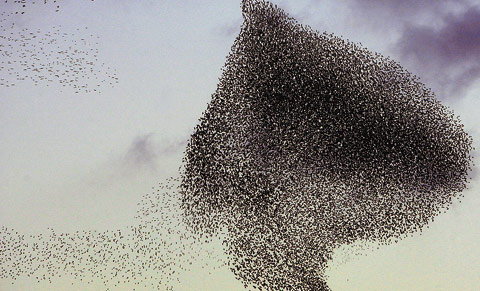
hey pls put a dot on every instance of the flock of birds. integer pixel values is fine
(49, 56)
(22, 5)
(309, 143)
(153, 254)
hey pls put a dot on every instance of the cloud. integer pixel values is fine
(141, 153)
(144, 157)
(144, 152)
(406, 10)
(436, 40)
(448, 58)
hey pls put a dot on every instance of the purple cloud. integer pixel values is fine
(447, 58)
(438, 41)
(406, 9)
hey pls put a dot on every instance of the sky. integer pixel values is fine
(81, 143)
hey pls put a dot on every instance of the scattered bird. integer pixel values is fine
(50, 56)
(152, 254)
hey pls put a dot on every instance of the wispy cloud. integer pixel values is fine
(145, 156)
(144, 152)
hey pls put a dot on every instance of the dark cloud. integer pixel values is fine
(436, 40)
(144, 152)
(406, 8)
(141, 152)
(448, 58)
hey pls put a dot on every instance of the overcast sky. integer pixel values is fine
(78, 148)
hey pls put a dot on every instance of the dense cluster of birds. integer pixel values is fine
(150, 255)
(311, 142)
(50, 56)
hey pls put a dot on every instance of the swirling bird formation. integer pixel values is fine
(311, 142)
